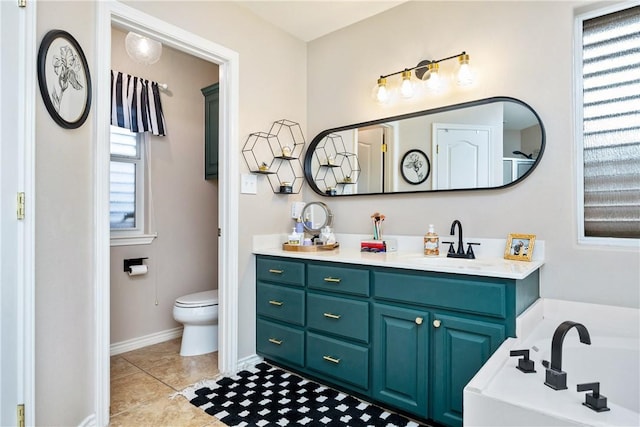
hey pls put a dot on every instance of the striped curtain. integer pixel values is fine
(611, 128)
(135, 104)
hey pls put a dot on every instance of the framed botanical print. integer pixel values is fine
(64, 79)
(415, 167)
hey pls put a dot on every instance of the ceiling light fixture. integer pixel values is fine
(426, 71)
(142, 49)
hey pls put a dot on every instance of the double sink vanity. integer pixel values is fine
(400, 329)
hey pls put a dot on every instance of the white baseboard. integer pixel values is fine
(136, 343)
(90, 421)
(248, 362)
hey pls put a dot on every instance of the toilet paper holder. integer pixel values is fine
(133, 261)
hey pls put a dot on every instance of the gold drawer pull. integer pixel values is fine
(278, 303)
(331, 359)
(332, 279)
(275, 341)
(271, 270)
(332, 316)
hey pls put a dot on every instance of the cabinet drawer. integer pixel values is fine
(280, 342)
(343, 361)
(280, 271)
(338, 279)
(478, 295)
(340, 316)
(280, 302)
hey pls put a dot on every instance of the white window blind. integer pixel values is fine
(611, 124)
(126, 181)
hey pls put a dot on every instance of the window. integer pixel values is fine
(608, 125)
(126, 191)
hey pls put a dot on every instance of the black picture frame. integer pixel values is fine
(415, 167)
(64, 79)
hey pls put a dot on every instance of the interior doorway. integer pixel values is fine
(130, 19)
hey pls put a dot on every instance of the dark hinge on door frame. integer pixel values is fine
(20, 415)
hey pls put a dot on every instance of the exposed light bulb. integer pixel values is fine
(382, 93)
(465, 75)
(407, 88)
(435, 81)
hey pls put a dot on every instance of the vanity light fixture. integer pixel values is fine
(427, 71)
(142, 49)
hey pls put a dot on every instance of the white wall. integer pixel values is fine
(519, 49)
(272, 87)
(184, 212)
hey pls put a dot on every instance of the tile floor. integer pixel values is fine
(143, 380)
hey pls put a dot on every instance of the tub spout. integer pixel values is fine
(555, 377)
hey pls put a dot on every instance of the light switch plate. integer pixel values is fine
(248, 183)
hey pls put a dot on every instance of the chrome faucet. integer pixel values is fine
(460, 253)
(555, 377)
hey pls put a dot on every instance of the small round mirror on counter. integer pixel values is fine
(316, 216)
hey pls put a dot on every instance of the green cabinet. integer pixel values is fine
(410, 340)
(211, 130)
(460, 347)
(401, 357)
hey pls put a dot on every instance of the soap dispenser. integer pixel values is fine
(294, 238)
(431, 242)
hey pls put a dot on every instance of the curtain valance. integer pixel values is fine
(135, 104)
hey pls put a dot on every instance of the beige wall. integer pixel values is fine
(184, 257)
(513, 54)
(64, 350)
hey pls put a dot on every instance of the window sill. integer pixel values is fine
(141, 239)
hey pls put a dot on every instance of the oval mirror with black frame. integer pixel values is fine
(486, 144)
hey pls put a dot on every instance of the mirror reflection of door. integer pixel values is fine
(462, 156)
(371, 155)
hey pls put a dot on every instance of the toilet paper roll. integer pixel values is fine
(137, 270)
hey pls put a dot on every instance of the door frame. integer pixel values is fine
(128, 18)
(22, 156)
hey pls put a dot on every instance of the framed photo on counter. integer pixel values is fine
(520, 247)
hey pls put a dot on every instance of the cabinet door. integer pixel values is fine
(211, 114)
(401, 357)
(461, 347)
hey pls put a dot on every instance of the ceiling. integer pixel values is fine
(310, 19)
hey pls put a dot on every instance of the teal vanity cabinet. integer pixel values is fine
(211, 129)
(280, 307)
(338, 324)
(407, 339)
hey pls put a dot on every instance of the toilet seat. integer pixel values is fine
(198, 299)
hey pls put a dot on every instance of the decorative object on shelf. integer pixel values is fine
(142, 49)
(277, 154)
(64, 79)
(520, 247)
(415, 167)
(427, 72)
(378, 219)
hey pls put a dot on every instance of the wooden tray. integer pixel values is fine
(309, 248)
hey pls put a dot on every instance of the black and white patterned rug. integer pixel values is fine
(267, 396)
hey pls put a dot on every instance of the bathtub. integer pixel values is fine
(501, 395)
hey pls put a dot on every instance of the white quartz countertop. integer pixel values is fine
(489, 261)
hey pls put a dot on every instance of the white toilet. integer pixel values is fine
(199, 314)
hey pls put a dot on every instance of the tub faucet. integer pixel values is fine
(555, 377)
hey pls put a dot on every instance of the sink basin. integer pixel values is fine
(453, 262)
